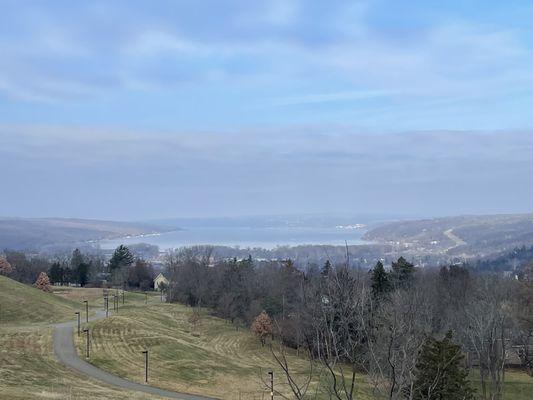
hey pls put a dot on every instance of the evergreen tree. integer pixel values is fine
(403, 271)
(439, 374)
(326, 269)
(82, 273)
(76, 259)
(122, 257)
(56, 273)
(380, 280)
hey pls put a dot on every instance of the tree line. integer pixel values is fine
(123, 269)
(413, 333)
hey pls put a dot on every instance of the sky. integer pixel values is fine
(138, 109)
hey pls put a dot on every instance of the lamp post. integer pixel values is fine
(271, 373)
(86, 311)
(145, 352)
(78, 314)
(86, 331)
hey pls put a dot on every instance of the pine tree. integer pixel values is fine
(82, 273)
(439, 374)
(43, 283)
(326, 269)
(122, 257)
(380, 280)
(56, 273)
(403, 271)
(76, 259)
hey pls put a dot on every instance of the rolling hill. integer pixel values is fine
(24, 304)
(463, 236)
(37, 233)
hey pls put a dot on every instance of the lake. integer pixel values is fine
(263, 237)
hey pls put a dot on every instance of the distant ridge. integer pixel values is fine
(464, 236)
(36, 233)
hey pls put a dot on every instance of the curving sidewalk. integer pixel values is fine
(66, 353)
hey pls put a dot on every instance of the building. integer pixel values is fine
(159, 281)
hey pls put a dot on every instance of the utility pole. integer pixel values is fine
(86, 311)
(87, 343)
(145, 352)
(271, 373)
(106, 306)
(78, 314)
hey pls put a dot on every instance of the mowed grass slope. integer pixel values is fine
(212, 358)
(21, 303)
(28, 367)
(29, 371)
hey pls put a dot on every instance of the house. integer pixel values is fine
(159, 281)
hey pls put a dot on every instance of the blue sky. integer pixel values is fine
(218, 107)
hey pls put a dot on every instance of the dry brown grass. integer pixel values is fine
(29, 370)
(212, 358)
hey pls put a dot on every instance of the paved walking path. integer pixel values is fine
(66, 353)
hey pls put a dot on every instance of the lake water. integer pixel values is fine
(243, 237)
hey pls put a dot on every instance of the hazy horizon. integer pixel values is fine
(136, 111)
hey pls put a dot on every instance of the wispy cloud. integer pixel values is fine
(319, 98)
(283, 44)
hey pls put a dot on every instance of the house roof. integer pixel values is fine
(160, 276)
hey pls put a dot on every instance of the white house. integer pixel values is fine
(159, 281)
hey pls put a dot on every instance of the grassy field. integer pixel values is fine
(28, 367)
(22, 304)
(518, 385)
(212, 358)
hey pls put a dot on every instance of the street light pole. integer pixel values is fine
(78, 314)
(87, 343)
(271, 373)
(86, 311)
(145, 352)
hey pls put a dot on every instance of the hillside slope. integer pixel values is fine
(21, 303)
(463, 236)
(36, 233)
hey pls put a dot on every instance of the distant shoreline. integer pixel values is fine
(267, 238)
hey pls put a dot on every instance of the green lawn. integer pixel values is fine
(518, 385)
(23, 304)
